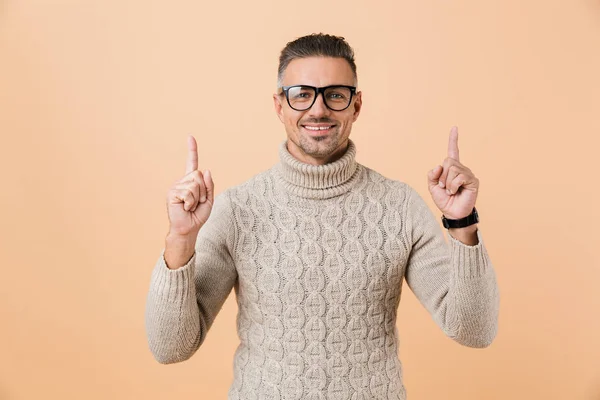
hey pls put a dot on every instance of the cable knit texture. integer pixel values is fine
(317, 256)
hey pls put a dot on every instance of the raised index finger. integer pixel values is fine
(453, 143)
(192, 160)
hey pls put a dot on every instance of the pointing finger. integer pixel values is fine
(192, 160)
(453, 143)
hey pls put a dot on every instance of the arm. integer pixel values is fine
(454, 281)
(182, 303)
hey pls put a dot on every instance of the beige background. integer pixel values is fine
(96, 100)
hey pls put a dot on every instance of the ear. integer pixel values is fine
(278, 106)
(357, 105)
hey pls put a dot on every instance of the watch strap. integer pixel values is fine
(470, 219)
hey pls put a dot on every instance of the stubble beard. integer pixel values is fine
(320, 146)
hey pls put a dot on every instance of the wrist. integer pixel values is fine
(173, 237)
(178, 250)
(466, 229)
(466, 235)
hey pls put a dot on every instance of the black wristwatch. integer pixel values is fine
(471, 219)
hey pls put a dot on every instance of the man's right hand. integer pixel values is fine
(190, 200)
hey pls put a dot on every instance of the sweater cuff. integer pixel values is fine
(173, 285)
(469, 261)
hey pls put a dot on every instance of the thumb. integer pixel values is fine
(433, 175)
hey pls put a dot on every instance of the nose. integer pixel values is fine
(318, 108)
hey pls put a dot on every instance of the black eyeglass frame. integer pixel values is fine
(318, 90)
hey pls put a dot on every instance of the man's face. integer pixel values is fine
(310, 145)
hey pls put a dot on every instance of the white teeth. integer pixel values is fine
(317, 128)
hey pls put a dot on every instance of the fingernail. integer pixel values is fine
(441, 184)
(448, 191)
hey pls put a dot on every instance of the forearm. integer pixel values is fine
(473, 311)
(473, 295)
(172, 314)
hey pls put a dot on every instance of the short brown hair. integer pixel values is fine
(316, 44)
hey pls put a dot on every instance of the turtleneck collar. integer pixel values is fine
(318, 181)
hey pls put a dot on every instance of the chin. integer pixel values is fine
(319, 146)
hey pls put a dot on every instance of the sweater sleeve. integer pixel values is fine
(455, 282)
(182, 304)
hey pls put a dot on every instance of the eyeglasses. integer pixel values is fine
(302, 97)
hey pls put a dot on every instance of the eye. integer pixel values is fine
(336, 96)
(300, 93)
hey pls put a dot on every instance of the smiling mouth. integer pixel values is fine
(318, 129)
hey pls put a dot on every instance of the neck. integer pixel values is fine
(318, 181)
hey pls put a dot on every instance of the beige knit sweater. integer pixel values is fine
(317, 256)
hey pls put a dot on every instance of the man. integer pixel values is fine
(316, 249)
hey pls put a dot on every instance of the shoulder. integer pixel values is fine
(396, 191)
(229, 204)
(241, 193)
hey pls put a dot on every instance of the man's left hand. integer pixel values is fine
(453, 186)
